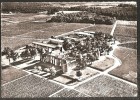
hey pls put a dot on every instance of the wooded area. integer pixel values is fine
(121, 12)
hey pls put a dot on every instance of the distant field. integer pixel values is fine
(46, 33)
(10, 74)
(106, 86)
(99, 28)
(128, 69)
(132, 45)
(14, 43)
(126, 31)
(25, 27)
(17, 15)
(30, 87)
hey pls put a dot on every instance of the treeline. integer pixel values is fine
(30, 7)
(121, 12)
(83, 17)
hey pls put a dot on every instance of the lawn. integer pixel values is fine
(103, 64)
(8, 74)
(132, 45)
(126, 31)
(86, 73)
(47, 33)
(128, 69)
(99, 28)
(69, 93)
(15, 42)
(106, 86)
(30, 86)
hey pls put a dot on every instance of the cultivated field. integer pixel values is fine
(99, 28)
(132, 45)
(26, 27)
(106, 86)
(126, 31)
(15, 42)
(69, 93)
(123, 39)
(10, 73)
(29, 86)
(20, 33)
(128, 23)
(128, 69)
(60, 29)
(19, 30)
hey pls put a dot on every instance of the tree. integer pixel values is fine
(78, 73)
(33, 52)
(14, 55)
(7, 52)
(25, 54)
(10, 54)
(40, 51)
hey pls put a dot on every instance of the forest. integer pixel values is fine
(83, 17)
(121, 12)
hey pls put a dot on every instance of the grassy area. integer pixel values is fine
(15, 42)
(128, 69)
(69, 93)
(29, 86)
(47, 33)
(132, 45)
(126, 31)
(105, 86)
(8, 74)
(99, 28)
(104, 64)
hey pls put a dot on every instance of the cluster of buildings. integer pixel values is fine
(53, 51)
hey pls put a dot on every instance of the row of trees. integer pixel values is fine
(83, 17)
(29, 52)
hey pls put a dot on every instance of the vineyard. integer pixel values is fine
(10, 74)
(53, 31)
(25, 27)
(128, 69)
(132, 45)
(105, 86)
(15, 42)
(125, 31)
(99, 28)
(82, 72)
(69, 93)
(29, 86)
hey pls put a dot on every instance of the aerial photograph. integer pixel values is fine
(68, 49)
